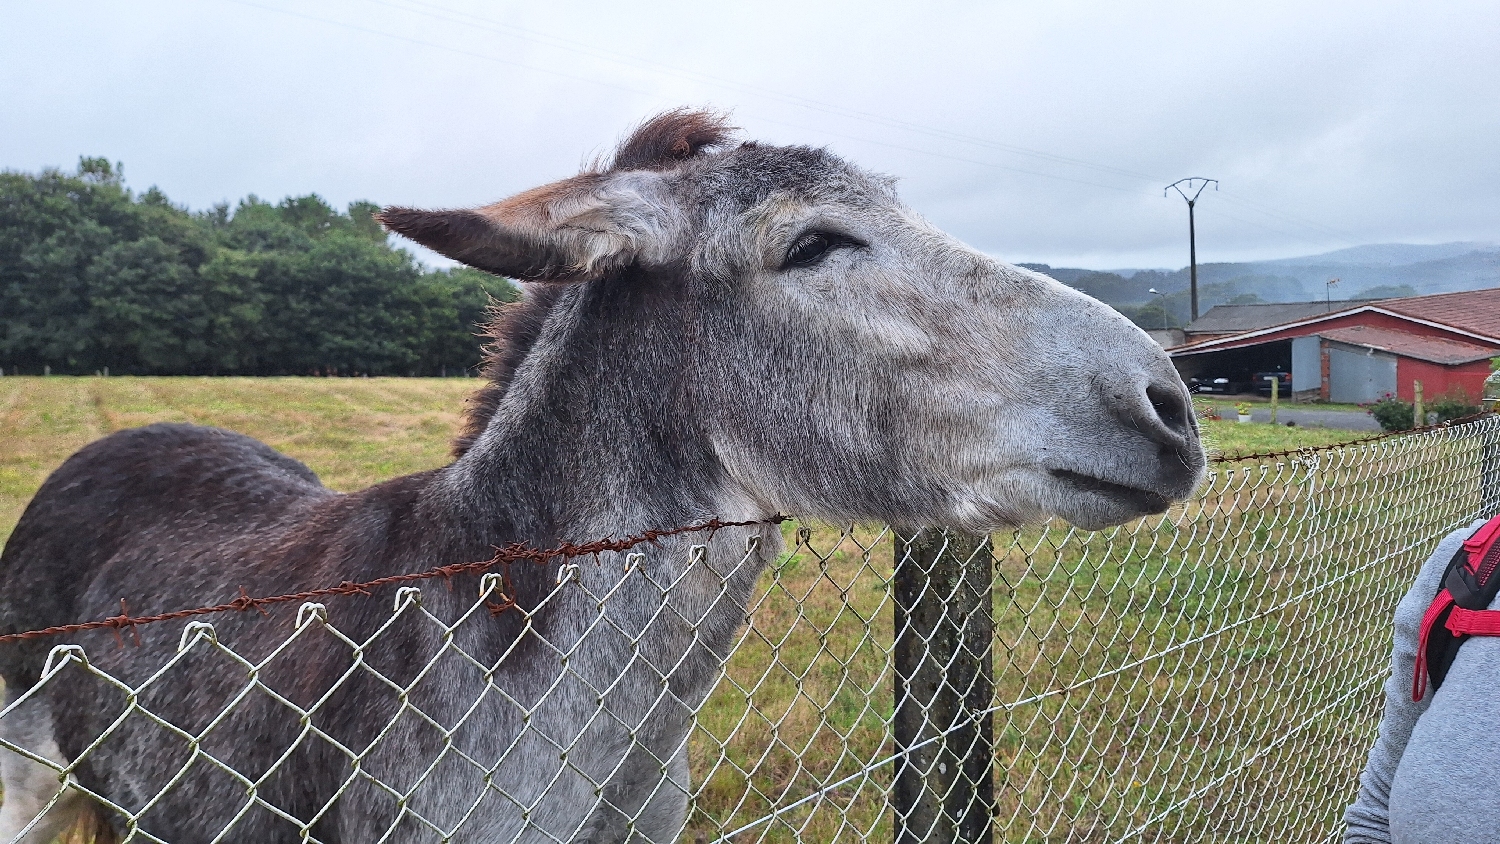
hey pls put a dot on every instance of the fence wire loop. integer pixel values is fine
(195, 630)
(59, 657)
(407, 596)
(489, 583)
(310, 612)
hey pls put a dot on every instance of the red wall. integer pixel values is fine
(1438, 379)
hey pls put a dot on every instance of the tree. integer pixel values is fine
(94, 276)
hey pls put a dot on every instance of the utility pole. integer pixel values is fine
(1192, 234)
(1154, 292)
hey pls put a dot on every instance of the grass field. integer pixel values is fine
(1200, 599)
(351, 431)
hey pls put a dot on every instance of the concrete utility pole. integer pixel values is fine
(1192, 234)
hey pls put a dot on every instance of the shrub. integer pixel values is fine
(1392, 413)
(1454, 404)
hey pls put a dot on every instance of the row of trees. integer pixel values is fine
(94, 276)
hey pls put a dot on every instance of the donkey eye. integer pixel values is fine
(812, 246)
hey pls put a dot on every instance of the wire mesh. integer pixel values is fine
(1210, 674)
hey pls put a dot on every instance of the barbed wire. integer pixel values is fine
(518, 552)
(513, 553)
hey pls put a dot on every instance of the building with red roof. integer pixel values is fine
(1363, 351)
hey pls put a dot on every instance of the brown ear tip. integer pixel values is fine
(396, 219)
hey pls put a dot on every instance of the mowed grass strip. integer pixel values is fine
(1228, 439)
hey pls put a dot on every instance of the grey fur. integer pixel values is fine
(681, 373)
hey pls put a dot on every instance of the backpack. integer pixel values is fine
(1460, 608)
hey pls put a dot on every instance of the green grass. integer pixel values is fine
(1134, 667)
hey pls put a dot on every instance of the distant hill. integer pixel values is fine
(1382, 270)
(1392, 254)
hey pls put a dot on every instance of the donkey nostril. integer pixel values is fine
(1169, 406)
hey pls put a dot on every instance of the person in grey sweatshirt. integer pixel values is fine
(1433, 775)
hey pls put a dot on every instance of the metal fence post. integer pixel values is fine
(945, 633)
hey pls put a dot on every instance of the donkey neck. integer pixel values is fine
(597, 433)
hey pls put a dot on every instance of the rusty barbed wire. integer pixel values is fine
(517, 552)
(513, 553)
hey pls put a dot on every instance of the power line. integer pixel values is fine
(480, 22)
(487, 24)
(1292, 218)
(963, 159)
(617, 86)
(491, 25)
(444, 47)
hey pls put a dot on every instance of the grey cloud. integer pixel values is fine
(1328, 126)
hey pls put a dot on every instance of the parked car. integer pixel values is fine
(1216, 385)
(1263, 382)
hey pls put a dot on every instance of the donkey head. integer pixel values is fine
(840, 357)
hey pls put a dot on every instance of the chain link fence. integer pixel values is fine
(1212, 674)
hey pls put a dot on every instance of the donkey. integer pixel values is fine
(711, 329)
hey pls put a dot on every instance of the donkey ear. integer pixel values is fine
(575, 230)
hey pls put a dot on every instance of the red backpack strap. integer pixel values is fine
(1461, 607)
(1429, 649)
(1462, 622)
(1483, 542)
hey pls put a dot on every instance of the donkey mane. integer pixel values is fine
(670, 138)
(509, 334)
(662, 142)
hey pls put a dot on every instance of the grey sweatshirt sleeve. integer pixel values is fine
(1367, 820)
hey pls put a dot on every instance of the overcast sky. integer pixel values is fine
(1035, 131)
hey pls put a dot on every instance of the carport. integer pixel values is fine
(1352, 364)
(1239, 364)
(1361, 353)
